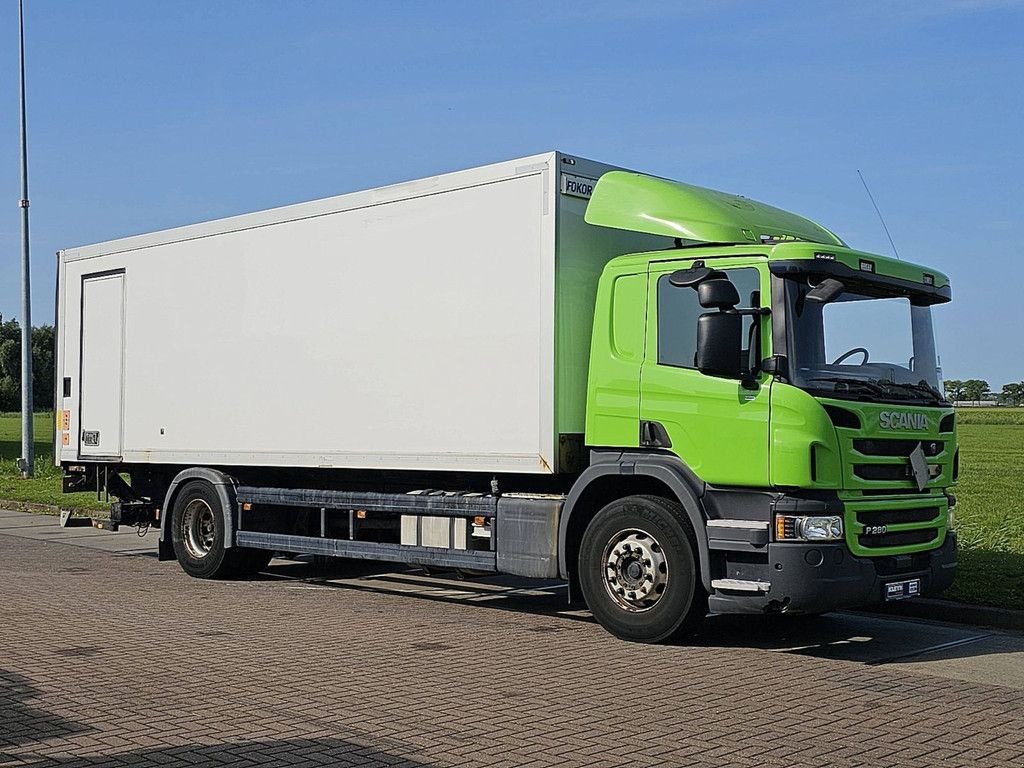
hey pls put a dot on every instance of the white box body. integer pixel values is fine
(439, 324)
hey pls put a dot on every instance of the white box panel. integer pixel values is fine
(408, 327)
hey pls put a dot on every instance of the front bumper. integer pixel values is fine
(814, 578)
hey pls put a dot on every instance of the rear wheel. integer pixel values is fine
(198, 531)
(638, 570)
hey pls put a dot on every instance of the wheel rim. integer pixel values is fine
(199, 528)
(635, 570)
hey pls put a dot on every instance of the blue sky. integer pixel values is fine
(145, 115)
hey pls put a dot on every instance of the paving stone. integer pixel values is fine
(108, 660)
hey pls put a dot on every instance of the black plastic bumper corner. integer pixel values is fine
(812, 578)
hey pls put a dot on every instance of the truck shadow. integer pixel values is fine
(291, 752)
(850, 636)
(868, 638)
(844, 635)
(21, 722)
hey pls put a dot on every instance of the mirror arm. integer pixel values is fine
(776, 365)
(749, 378)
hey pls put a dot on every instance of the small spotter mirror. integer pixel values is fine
(689, 278)
(825, 291)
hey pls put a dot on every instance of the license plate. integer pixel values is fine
(901, 590)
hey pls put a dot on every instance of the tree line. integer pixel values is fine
(10, 366)
(976, 390)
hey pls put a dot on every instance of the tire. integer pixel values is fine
(197, 529)
(644, 542)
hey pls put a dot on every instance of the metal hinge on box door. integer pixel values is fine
(90, 437)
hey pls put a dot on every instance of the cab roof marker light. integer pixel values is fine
(929, 279)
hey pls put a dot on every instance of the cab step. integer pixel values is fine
(740, 585)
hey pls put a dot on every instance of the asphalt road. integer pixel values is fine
(108, 657)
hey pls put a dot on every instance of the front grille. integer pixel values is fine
(897, 538)
(882, 471)
(890, 447)
(871, 527)
(891, 516)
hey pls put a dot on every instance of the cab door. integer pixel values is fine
(717, 426)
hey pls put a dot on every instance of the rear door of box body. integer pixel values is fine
(101, 376)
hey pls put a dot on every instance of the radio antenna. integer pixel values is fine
(872, 199)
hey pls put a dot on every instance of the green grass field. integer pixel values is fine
(44, 488)
(990, 509)
(987, 416)
(989, 516)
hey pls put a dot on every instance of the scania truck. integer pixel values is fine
(677, 400)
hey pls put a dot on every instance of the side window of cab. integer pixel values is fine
(678, 310)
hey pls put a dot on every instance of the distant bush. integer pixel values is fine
(10, 366)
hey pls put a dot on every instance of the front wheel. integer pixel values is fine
(639, 572)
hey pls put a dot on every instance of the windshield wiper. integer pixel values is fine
(870, 386)
(922, 386)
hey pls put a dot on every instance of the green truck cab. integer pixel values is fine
(785, 389)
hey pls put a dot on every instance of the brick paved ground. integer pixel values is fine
(116, 660)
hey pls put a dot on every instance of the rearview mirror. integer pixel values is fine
(825, 291)
(720, 344)
(717, 293)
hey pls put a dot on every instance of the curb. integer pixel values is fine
(43, 509)
(950, 612)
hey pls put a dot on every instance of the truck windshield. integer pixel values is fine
(862, 345)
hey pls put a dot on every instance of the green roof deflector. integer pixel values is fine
(640, 203)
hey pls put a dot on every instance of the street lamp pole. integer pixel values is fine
(25, 463)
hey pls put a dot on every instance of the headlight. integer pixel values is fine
(808, 528)
(818, 528)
